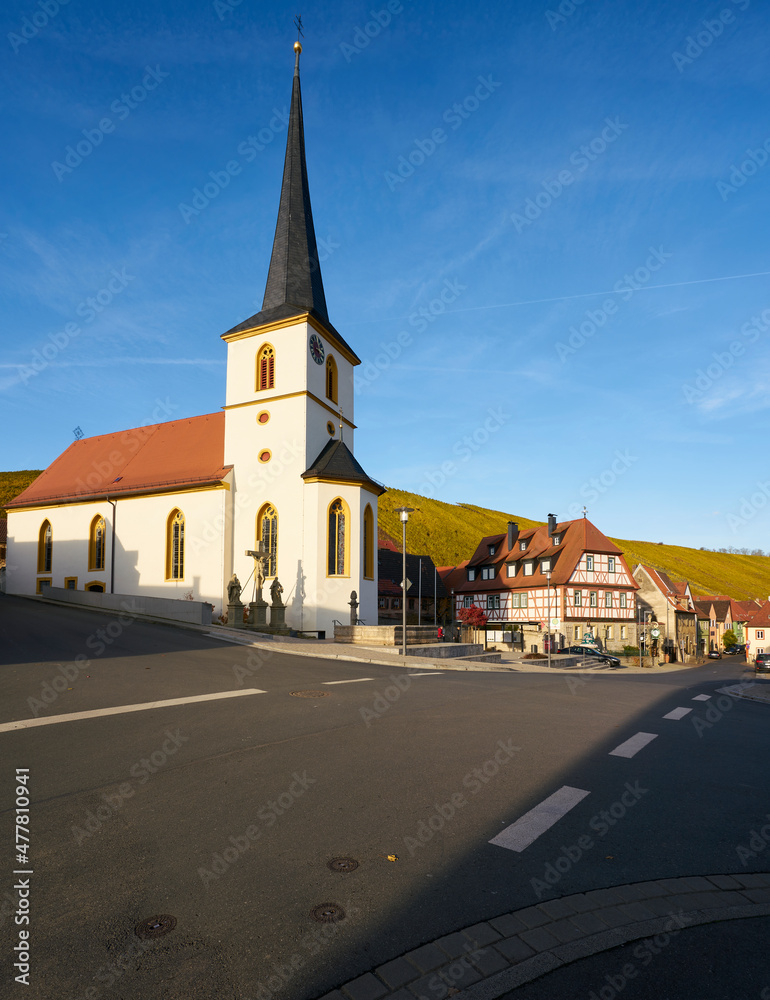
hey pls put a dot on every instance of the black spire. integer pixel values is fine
(294, 285)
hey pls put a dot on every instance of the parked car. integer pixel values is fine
(714, 654)
(599, 654)
(762, 663)
(739, 648)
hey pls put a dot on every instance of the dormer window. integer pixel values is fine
(471, 574)
(510, 570)
(491, 550)
(522, 546)
(557, 539)
(545, 565)
(529, 567)
(487, 572)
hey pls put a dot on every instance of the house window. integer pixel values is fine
(338, 563)
(493, 602)
(608, 599)
(545, 565)
(96, 543)
(487, 572)
(382, 602)
(42, 585)
(611, 564)
(518, 600)
(70, 583)
(577, 633)
(45, 548)
(368, 543)
(491, 550)
(466, 602)
(266, 368)
(592, 599)
(175, 546)
(608, 632)
(623, 632)
(523, 546)
(622, 600)
(396, 603)
(471, 574)
(760, 633)
(95, 587)
(267, 534)
(557, 539)
(578, 598)
(589, 562)
(510, 569)
(529, 567)
(331, 379)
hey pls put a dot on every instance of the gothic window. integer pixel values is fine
(338, 541)
(368, 543)
(175, 546)
(267, 533)
(96, 543)
(331, 379)
(45, 548)
(266, 368)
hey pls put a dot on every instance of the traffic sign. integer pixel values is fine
(408, 584)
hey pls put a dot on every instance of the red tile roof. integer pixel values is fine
(578, 536)
(452, 576)
(761, 617)
(174, 455)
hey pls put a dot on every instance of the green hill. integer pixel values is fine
(12, 483)
(449, 533)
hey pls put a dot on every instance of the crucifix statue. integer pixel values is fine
(260, 557)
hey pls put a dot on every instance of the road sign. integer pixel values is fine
(655, 633)
(408, 584)
(555, 623)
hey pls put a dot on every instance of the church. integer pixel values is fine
(175, 509)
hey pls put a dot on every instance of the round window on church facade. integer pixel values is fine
(262, 417)
(265, 456)
(330, 429)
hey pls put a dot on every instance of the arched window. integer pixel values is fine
(96, 543)
(368, 543)
(267, 533)
(266, 367)
(175, 546)
(331, 379)
(44, 548)
(338, 538)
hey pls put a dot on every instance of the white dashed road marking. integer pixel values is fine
(678, 713)
(353, 680)
(632, 747)
(427, 673)
(702, 697)
(531, 825)
(51, 720)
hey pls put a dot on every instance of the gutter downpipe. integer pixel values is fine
(114, 505)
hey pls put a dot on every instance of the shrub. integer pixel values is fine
(630, 651)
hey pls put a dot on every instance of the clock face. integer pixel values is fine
(317, 349)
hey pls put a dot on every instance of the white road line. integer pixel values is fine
(353, 680)
(531, 825)
(702, 697)
(427, 673)
(632, 747)
(678, 713)
(51, 720)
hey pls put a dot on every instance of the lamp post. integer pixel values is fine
(403, 513)
(548, 578)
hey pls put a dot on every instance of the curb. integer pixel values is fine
(488, 959)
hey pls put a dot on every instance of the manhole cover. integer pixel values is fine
(327, 913)
(309, 694)
(342, 864)
(154, 927)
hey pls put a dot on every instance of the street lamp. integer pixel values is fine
(403, 513)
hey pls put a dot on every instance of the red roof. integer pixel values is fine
(452, 576)
(761, 618)
(173, 455)
(577, 537)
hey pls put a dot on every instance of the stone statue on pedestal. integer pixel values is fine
(353, 602)
(277, 609)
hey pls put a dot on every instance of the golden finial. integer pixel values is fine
(297, 47)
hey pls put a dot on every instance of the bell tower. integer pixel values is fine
(289, 405)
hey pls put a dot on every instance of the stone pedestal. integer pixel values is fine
(277, 616)
(235, 614)
(258, 613)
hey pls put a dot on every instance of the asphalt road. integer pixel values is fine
(224, 813)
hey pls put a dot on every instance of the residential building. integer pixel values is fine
(668, 605)
(425, 585)
(569, 573)
(718, 612)
(758, 632)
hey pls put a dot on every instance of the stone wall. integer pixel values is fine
(384, 635)
(193, 612)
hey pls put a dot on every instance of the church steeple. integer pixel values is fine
(294, 279)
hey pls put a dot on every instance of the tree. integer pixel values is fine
(472, 617)
(729, 638)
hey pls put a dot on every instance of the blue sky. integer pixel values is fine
(543, 231)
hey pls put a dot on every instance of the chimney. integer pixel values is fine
(513, 534)
(551, 525)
